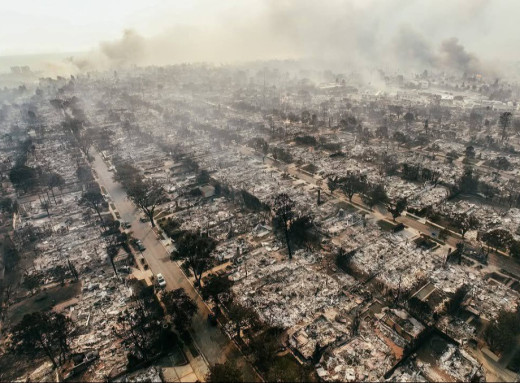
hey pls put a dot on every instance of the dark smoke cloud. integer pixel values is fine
(413, 51)
(454, 55)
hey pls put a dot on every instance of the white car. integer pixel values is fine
(160, 280)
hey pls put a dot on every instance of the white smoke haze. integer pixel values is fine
(395, 35)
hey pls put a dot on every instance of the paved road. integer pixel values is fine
(214, 344)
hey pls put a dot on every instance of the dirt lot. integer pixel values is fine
(43, 301)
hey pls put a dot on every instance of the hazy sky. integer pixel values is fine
(163, 31)
(49, 26)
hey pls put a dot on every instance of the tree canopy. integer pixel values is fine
(146, 195)
(180, 307)
(93, 199)
(195, 250)
(225, 372)
(47, 332)
(24, 177)
(283, 209)
(375, 195)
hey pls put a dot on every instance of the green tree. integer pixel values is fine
(452, 156)
(86, 140)
(265, 346)
(469, 181)
(396, 109)
(333, 183)
(470, 152)
(400, 137)
(7, 205)
(112, 251)
(455, 302)
(202, 177)
(126, 173)
(31, 282)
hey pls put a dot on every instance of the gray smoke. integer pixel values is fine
(130, 49)
(394, 35)
(454, 55)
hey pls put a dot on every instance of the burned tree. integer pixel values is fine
(195, 250)
(47, 332)
(397, 208)
(140, 326)
(352, 184)
(504, 122)
(375, 195)
(226, 372)
(146, 195)
(283, 209)
(84, 174)
(215, 286)
(45, 205)
(54, 180)
(242, 316)
(409, 118)
(94, 200)
(180, 307)
(24, 177)
(464, 222)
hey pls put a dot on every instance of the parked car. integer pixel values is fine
(125, 270)
(160, 280)
(140, 245)
(144, 219)
(126, 225)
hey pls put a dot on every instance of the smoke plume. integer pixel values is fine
(395, 35)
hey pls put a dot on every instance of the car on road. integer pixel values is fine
(140, 245)
(161, 281)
